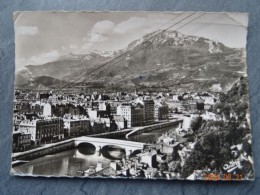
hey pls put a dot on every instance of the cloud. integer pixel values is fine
(73, 46)
(42, 58)
(99, 33)
(130, 25)
(103, 27)
(27, 30)
(95, 37)
(127, 30)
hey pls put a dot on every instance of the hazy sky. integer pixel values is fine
(41, 37)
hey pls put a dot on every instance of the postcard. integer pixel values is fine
(153, 95)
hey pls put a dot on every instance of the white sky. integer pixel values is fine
(41, 37)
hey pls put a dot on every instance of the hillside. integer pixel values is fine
(216, 141)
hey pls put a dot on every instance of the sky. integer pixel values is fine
(42, 37)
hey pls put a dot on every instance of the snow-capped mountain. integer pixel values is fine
(160, 60)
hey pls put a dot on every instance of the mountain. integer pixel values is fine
(162, 60)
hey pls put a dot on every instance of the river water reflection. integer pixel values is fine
(67, 163)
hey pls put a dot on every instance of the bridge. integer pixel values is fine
(99, 143)
(153, 127)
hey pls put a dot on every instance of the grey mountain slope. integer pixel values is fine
(169, 61)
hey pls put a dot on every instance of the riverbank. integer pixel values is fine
(47, 149)
(64, 145)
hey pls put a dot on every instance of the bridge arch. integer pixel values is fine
(113, 152)
(122, 146)
(86, 148)
(135, 152)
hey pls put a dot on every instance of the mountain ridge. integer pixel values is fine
(166, 59)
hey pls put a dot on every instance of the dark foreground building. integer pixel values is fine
(148, 112)
(76, 127)
(21, 141)
(49, 130)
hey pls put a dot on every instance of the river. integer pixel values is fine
(68, 163)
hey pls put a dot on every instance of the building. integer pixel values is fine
(148, 112)
(21, 141)
(44, 96)
(113, 126)
(161, 111)
(43, 131)
(209, 100)
(103, 110)
(88, 104)
(95, 105)
(169, 148)
(125, 110)
(120, 122)
(76, 127)
(138, 115)
(103, 106)
(47, 111)
(31, 116)
(133, 114)
(148, 158)
(98, 127)
(175, 97)
(23, 107)
(28, 127)
(92, 114)
(36, 108)
(49, 130)
(105, 121)
(59, 110)
(113, 107)
(53, 98)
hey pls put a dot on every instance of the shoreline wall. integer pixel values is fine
(39, 152)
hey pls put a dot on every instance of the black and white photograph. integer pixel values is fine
(140, 95)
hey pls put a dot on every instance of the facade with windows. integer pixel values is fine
(43, 131)
(133, 114)
(49, 130)
(76, 127)
(138, 115)
(161, 111)
(21, 141)
(148, 112)
(125, 110)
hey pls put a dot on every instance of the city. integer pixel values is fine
(47, 117)
(41, 118)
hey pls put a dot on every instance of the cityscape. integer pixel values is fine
(168, 105)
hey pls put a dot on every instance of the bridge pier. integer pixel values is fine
(128, 152)
(98, 148)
